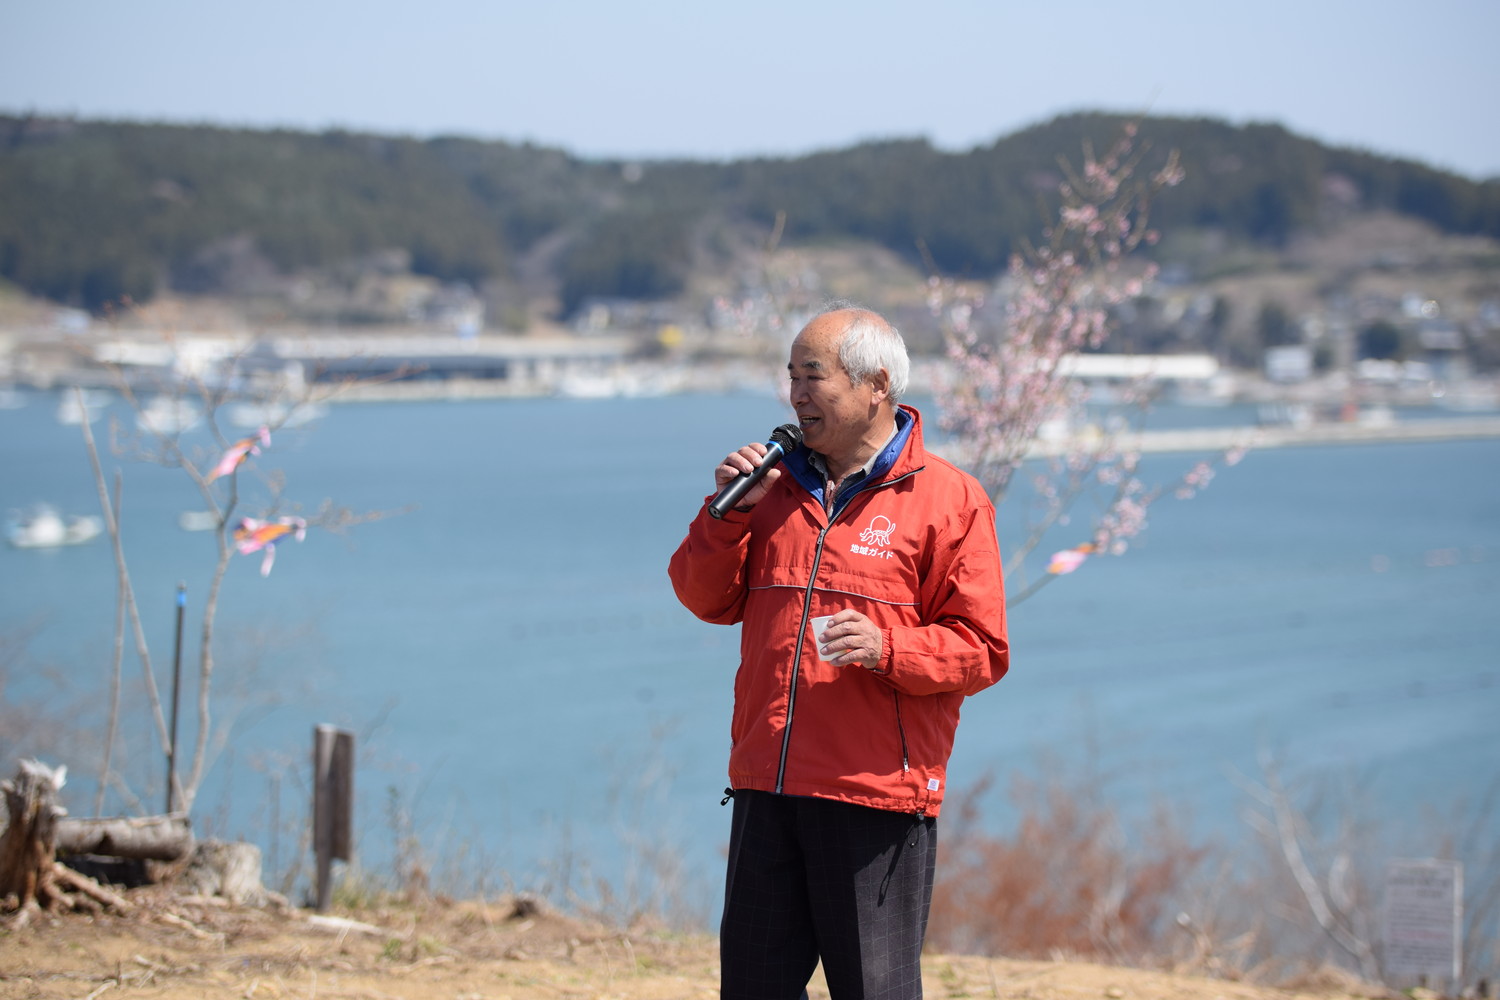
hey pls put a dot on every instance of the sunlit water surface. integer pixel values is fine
(525, 688)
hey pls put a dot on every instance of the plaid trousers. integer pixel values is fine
(812, 879)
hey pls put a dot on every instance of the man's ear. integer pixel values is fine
(880, 385)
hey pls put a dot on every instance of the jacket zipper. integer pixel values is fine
(901, 732)
(791, 699)
(791, 695)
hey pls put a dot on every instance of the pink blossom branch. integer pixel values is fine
(1009, 380)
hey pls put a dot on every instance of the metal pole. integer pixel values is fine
(176, 686)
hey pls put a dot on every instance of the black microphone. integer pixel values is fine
(784, 439)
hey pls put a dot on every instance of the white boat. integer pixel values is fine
(76, 407)
(248, 415)
(1471, 396)
(45, 528)
(197, 520)
(1218, 390)
(167, 415)
(620, 383)
(1298, 415)
(586, 386)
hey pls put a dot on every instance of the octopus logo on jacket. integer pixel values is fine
(879, 531)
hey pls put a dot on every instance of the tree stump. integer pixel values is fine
(230, 870)
(29, 842)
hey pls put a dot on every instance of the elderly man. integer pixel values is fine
(841, 739)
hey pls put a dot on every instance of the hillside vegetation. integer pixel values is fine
(96, 212)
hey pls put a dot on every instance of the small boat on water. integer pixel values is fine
(197, 520)
(166, 415)
(1469, 396)
(45, 528)
(249, 414)
(80, 406)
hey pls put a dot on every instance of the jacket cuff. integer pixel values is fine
(884, 666)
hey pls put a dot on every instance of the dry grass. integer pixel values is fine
(477, 950)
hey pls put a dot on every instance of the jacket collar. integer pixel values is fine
(904, 454)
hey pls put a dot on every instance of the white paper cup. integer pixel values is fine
(816, 628)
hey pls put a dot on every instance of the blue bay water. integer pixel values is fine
(519, 676)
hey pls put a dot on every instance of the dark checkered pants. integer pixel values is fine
(809, 879)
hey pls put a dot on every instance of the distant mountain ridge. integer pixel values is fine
(93, 212)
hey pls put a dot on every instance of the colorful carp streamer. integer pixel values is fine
(255, 536)
(1068, 560)
(239, 451)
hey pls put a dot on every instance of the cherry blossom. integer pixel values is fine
(1009, 386)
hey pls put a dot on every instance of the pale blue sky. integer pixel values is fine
(777, 77)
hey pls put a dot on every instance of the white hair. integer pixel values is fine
(869, 344)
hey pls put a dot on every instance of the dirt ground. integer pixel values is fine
(177, 948)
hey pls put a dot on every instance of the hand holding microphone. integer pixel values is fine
(746, 475)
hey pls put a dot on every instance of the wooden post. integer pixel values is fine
(333, 805)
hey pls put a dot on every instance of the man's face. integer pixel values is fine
(836, 416)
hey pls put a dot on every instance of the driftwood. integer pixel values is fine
(27, 868)
(91, 889)
(32, 879)
(145, 838)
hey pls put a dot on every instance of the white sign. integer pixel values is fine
(1423, 912)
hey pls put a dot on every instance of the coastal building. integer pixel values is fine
(386, 364)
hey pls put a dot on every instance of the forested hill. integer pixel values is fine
(94, 211)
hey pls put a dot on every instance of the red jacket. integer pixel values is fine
(915, 551)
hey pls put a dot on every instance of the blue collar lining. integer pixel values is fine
(800, 466)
